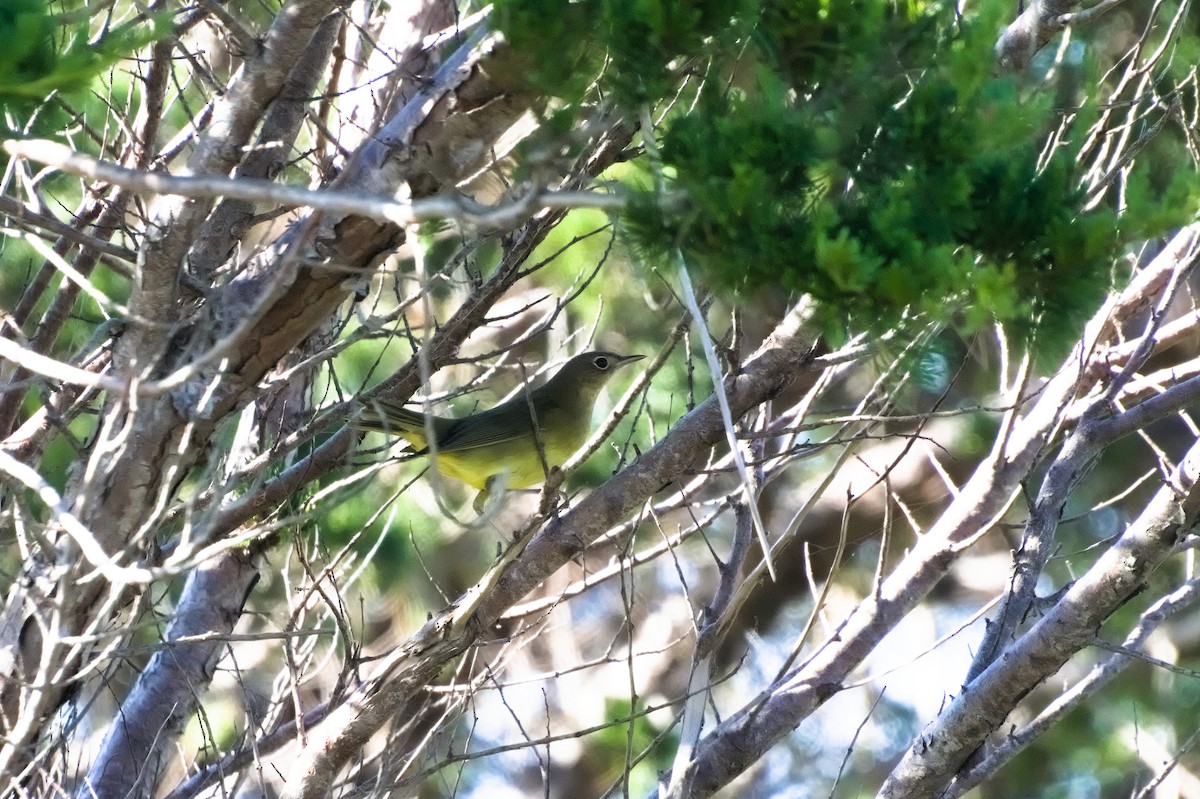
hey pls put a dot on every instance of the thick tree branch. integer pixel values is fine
(1040, 22)
(1071, 625)
(166, 694)
(1183, 598)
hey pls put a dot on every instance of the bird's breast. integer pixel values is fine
(520, 460)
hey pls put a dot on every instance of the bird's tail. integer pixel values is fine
(393, 420)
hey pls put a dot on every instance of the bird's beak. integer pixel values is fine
(628, 359)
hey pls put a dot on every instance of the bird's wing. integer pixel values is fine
(504, 423)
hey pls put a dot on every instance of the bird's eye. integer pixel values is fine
(600, 362)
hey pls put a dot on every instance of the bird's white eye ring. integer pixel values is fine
(600, 362)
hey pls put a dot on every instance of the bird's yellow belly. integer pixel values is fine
(518, 461)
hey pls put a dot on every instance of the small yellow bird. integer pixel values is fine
(498, 448)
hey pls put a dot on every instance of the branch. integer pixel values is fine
(459, 208)
(1096, 430)
(713, 621)
(1179, 600)
(227, 224)
(167, 693)
(119, 257)
(1040, 22)
(78, 532)
(1071, 625)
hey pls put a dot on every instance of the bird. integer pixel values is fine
(499, 448)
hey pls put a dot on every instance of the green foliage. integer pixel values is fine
(641, 735)
(751, 210)
(1157, 203)
(45, 53)
(634, 40)
(934, 203)
(862, 153)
